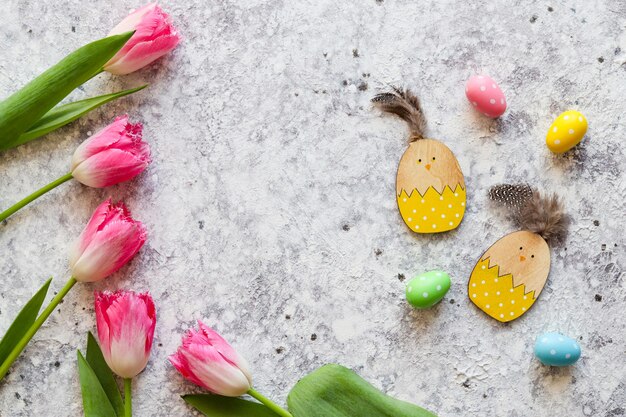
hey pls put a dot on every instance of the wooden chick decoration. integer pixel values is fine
(510, 275)
(430, 189)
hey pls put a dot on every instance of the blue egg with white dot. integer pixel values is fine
(555, 349)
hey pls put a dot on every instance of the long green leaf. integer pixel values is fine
(335, 391)
(218, 406)
(96, 361)
(21, 110)
(67, 113)
(23, 321)
(95, 401)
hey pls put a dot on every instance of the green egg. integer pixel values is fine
(427, 289)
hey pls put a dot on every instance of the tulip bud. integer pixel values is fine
(110, 239)
(125, 322)
(154, 37)
(113, 155)
(207, 360)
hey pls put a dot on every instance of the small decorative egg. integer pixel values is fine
(566, 131)
(427, 289)
(554, 349)
(485, 95)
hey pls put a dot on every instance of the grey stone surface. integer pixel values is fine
(270, 203)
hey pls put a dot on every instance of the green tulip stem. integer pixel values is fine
(269, 403)
(128, 400)
(15, 207)
(19, 347)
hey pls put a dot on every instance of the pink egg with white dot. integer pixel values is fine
(485, 95)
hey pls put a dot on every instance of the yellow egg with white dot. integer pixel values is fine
(566, 131)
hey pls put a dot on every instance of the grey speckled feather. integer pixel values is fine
(406, 105)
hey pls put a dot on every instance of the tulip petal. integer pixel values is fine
(110, 167)
(142, 54)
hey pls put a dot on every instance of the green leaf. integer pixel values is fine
(96, 361)
(23, 321)
(21, 110)
(335, 391)
(218, 406)
(95, 400)
(67, 113)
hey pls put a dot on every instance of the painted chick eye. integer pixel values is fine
(532, 256)
(419, 161)
(520, 248)
(433, 158)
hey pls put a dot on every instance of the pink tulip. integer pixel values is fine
(125, 322)
(207, 360)
(113, 155)
(154, 37)
(110, 239)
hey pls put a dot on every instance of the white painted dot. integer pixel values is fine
(492, 101)
(511, 290)
(525, 297)
(552, 352)
(568, 355)
(423, 201)
(486, 294)
(410, 219)
(451, 223)
(474, 295)
(443, 216)
(474, 103)
(449, 205)
(409, 289)
(495, 280)
(414, 211)
(487, 306)
(482, 282)
(523, 308)
(497, 292)
(572, 131)
(424, 218)
(432, 209)
(434, 226)
(501, 316)
(483, 88)
(556, 142)
(501, 101)
(566, 117)
(425, 295)
(580, 119)
(416, 227)
(555, 129)
(463, 203)
(512, 313)
(441, 198)
(438, 287)
(456, 215)
(473, 284)
(512, 301)
(500, 304)
(404, 199)
(456, 194)
(484, 267)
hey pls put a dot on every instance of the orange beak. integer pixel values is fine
(522, 258)
(427, 167)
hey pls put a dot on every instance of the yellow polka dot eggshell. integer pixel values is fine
(566, 131)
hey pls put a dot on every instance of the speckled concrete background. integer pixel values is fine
(271, 209)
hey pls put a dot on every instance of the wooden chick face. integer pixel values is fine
(430, 188)
(510, 275)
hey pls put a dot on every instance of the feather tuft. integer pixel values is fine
(532, 211)
(406, 105)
